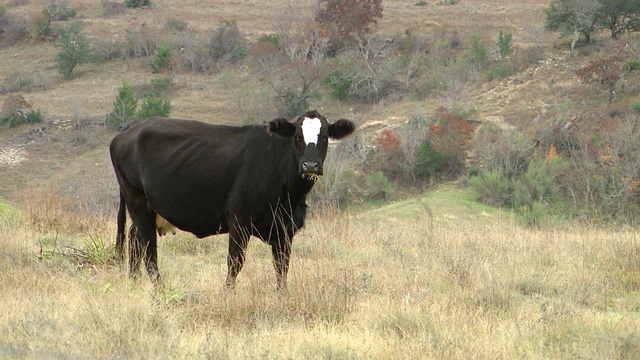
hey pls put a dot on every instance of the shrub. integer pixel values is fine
(13, 29)
(340, 84)
(501, 70)
(18, 80)
(406, 152)
(124, 107)
(162, 85)
(451, 136)
(226, 43)
(112, 8)
(162, 60)
(106, 50)
(74, 50)
(346, 20)
(271, 38)
(137, 3)
(492, 188)
(140, 41)
(17, 117)
(58, 12)
(174, 24)
(505, 46)
(154, 106)
(428, 161)
(40, 27)
(379, 185)
(290, 101)
(479, 52)
(196, 53)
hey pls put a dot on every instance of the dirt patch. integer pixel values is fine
(12, 156)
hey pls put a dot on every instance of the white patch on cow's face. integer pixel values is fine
(311, 130)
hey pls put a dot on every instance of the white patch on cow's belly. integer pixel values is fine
(311, 130)
(163, 226)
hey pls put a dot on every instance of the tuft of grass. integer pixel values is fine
(95, 252)
(533, 287)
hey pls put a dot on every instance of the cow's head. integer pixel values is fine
(310, 133)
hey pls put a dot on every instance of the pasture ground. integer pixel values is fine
(435, 277)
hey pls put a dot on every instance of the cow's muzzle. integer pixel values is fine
(310, 170)
(311, 167)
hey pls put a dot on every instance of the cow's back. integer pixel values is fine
(193, 173)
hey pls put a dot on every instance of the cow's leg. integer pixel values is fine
(122, 220)
(281, 253)
(238, 241)
(143, 244)
(135, 252)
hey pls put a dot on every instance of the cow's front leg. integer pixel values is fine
(238, 241)
(281, 251)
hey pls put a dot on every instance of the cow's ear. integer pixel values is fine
(281, 127)
(341, 128)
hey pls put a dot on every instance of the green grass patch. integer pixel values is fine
(8, 211)
(444, 203)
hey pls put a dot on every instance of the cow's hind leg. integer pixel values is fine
(122, 219)
(143, 245)
(135, 252)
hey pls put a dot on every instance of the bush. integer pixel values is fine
(106, 50)
(226, 43)
(479, 52)
(124, 107)
(140, 41)
(492, 188)
(162, 60)
(272, 39)
(74, 50)
(17, 117)
(154, 106)
(18, 80)
(340, 84)
(290, 102)
(13, 29)
(379, 185)
(505, 46)
(429, 161)
(40, 27)
(162, 85)
(111, 8)
(451, 135)
(137, 3)
(348, 19)
(60, 13)
(174, 24)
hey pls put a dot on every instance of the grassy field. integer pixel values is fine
(435, 277)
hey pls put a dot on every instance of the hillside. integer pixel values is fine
(70, 144)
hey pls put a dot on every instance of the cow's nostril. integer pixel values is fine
(310, 166)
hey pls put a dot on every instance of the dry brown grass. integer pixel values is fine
(391, 283)
(438, 278)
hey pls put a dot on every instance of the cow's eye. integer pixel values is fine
(299, 139)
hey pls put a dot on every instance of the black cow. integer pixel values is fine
(212, 179)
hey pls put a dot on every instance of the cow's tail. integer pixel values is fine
(122, 222)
